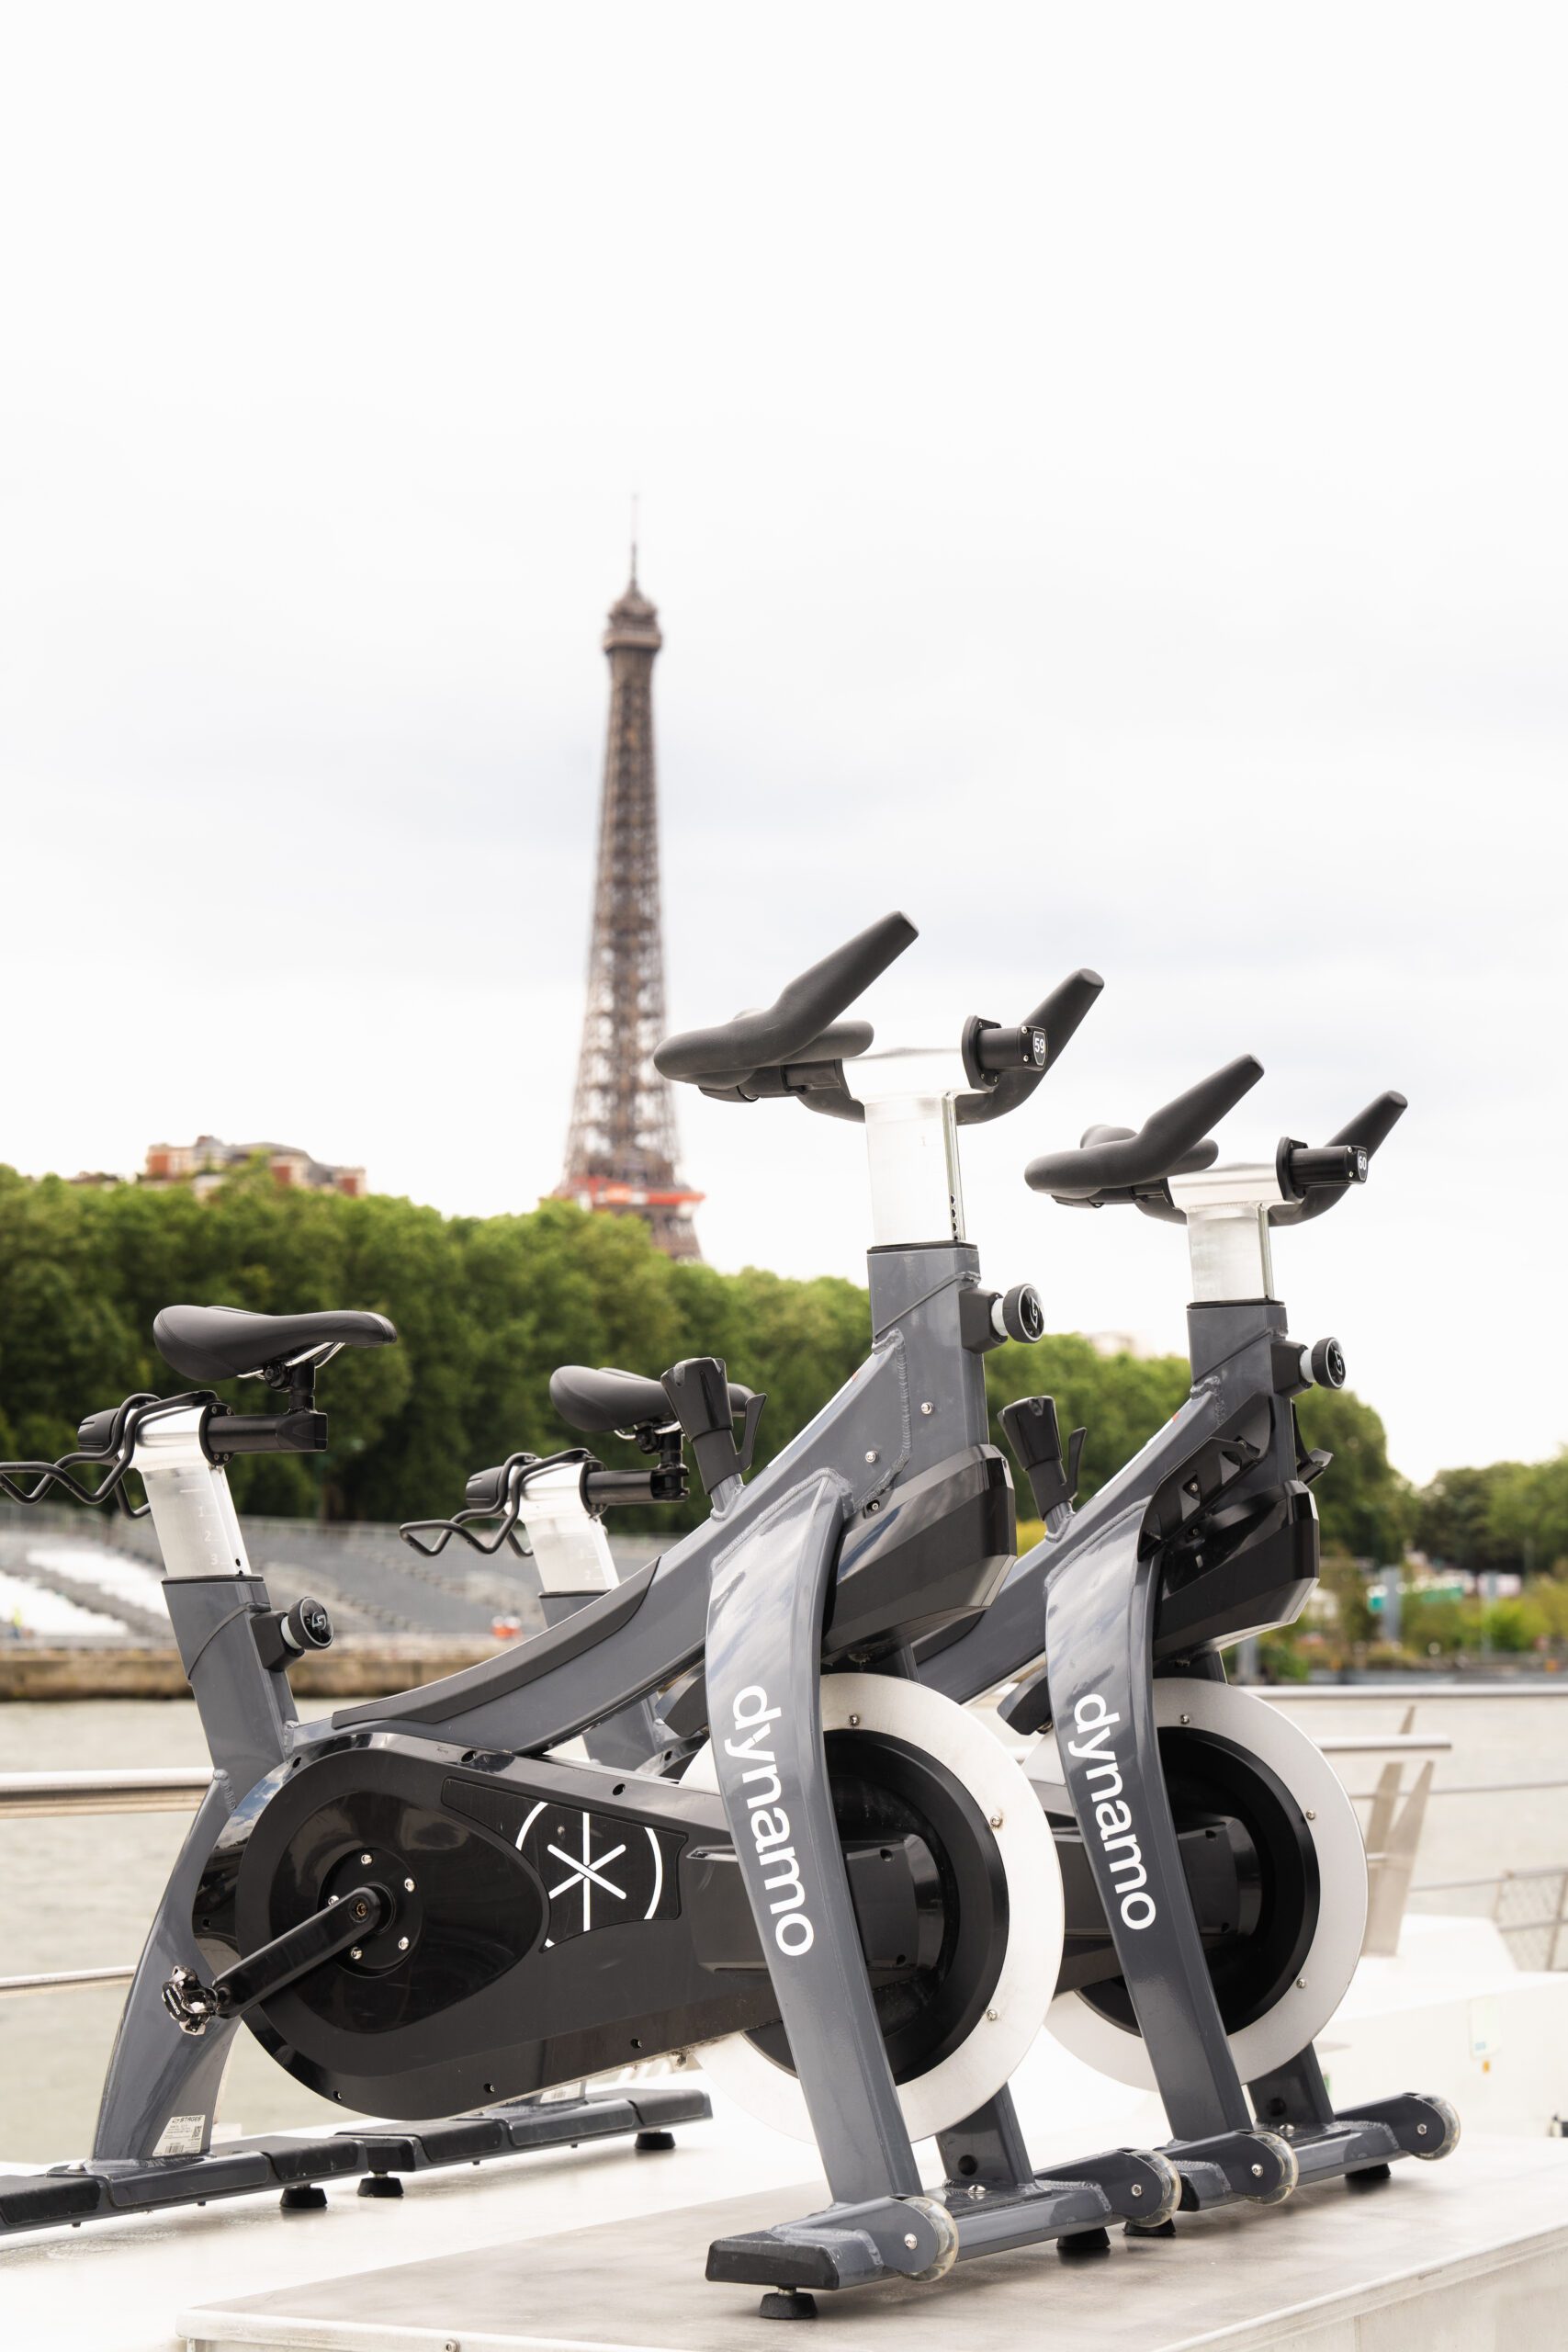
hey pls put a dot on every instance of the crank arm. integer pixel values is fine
(336, 1928)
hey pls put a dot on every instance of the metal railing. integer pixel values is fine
(67, 1980)
(1393, 1833)
(1528, 1902)
(1431, 1687)
(35, 1796)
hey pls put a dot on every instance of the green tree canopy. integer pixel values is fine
(487, 1307)
(1364, 1506)
(1453, 1517)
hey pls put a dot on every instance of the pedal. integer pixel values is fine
(342, 1926)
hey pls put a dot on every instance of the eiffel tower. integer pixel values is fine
(621, 1152)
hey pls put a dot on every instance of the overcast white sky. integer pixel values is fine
(1103, 481)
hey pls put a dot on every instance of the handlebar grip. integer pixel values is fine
(1374, 1125)
(1369, 1128)
(1059, 1014)
(1165, 1138)
(1305, 1166)
(803, 1009)
(815, 1066)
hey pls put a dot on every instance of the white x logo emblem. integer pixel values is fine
(586, 1871)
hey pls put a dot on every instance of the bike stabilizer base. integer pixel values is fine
(104, 2189)
(923, 2237)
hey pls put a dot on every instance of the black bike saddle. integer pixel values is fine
(599, 1401)
(207, 1343)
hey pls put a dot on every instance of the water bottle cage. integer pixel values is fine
(37, 1482)
(497, 1499)
(489, 1517)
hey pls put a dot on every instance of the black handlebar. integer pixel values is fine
(1356, 1142)
(1115, 1160)
(793, 1026)
(1372, 1127)
(1305, 1167)
(1058, 1016)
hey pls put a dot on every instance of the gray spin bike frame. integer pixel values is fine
(747, 1594)
(1088, 1598)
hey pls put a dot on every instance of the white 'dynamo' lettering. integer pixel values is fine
(1112, 1818)
(793, 1930)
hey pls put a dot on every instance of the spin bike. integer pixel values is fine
(152, 2145)
(420, 1904)
(1207, 1535)
(1215, 1881)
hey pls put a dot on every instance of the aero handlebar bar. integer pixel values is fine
(1112, 1159)
(799, 1044)
(805, 1008)
(1364, 1134)
(1059, 1016)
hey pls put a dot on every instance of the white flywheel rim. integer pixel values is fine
(990, 2053)
(1306, 2006)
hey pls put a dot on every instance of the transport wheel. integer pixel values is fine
(1449, 2141)
(1224, 1751)
(903, 1758)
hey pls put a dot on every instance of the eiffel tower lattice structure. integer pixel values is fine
(622, 1152)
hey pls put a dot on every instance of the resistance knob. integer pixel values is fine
(1020, 1314)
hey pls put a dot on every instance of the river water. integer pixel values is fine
(78, 1892)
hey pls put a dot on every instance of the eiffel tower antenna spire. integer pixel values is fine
(621, 1153)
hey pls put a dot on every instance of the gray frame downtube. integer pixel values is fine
(861, 1437)
(765, 1643)
(872, 1433)
(1230, 1349)
(155, 2072)
(1010, 1634)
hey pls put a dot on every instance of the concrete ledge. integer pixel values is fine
(348, 1670)
(1470, 2256)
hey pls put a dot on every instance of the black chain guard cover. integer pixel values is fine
(550, 1926)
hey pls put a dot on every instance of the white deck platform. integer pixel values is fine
(1451, 2015)
(1470, 2256)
